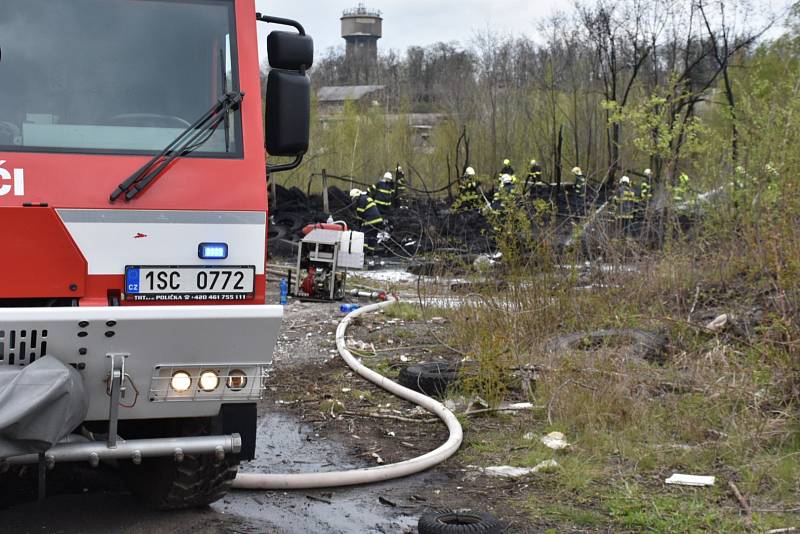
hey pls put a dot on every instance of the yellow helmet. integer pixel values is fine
(576, 171)
(506, 162)
(533, 162)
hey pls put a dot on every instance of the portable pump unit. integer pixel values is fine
(323, 257)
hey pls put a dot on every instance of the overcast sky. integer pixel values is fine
(422, 22)
(416, 22)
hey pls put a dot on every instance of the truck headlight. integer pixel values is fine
(209, 381)
(181, 381)
(237, 380)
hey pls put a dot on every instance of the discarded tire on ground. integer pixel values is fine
(458, 522)
(432, 378)
(631, 342)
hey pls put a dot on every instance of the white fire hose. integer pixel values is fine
(270, 481)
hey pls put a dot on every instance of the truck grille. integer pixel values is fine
(21, 347)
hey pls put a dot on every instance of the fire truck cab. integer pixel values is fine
(134, 328)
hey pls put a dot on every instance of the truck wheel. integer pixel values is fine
(164, 484)
(198, 480)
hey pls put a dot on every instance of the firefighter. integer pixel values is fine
(384, 192)
(534, 186)
(469, 198)
(625, 202)
(369, 218)
(579, 203)
(507, 168)
(505, 194)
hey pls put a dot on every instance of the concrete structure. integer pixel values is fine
(361, 29)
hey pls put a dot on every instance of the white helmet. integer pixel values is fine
(388, 176)
(625, 180)
(470, 171)
(533, 162)
(355, 193)
(506, 179)
(399, 168)
(576, 171)
(648, 172)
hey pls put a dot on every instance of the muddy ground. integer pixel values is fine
(315, 416)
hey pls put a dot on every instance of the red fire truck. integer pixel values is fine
(133, 209)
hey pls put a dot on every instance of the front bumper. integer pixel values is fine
(93, 452)
(148, 338)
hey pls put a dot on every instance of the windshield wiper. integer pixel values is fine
(189, 140)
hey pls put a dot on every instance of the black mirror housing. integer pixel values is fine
(290, 51)
(288, 113)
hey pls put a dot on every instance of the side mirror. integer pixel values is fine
(288, 113)
(288, 109)
(290, 51)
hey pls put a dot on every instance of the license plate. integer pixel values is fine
(189, 283)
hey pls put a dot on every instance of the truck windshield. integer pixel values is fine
(118, 76)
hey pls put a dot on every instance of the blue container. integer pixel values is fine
(347, 308)
(284, 291)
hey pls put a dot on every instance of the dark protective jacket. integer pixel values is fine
(625, 202)
(383, 192)
(507, 169)
(506, 193)
(469, 198)
(368, 212)
(533, 179)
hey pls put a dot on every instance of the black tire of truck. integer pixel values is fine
(458, 522)
(197, 481)
(432, 378)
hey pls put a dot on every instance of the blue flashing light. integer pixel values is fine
(213, 251)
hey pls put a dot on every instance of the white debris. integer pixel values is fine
(391, 434)
(518, 406)
(507, 471)
(690, 480)
(403, 358)
(450, 405)
(718, 324)
(346, 390)
(530, 436)
(555, 441)
(377, 457)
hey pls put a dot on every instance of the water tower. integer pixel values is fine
(361, 28)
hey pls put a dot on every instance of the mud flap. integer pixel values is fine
(40, 404)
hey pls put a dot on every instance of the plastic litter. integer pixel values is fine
(555, 441)
(690, 480)
(718, 324)
(347, 308)
(507, 471)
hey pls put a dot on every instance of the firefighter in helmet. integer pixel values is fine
(534, 186)
(507, 168)
(625, 203)
(384, 192)
(369, 218)
(580, 190)
(505, 194)
(469, 198)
